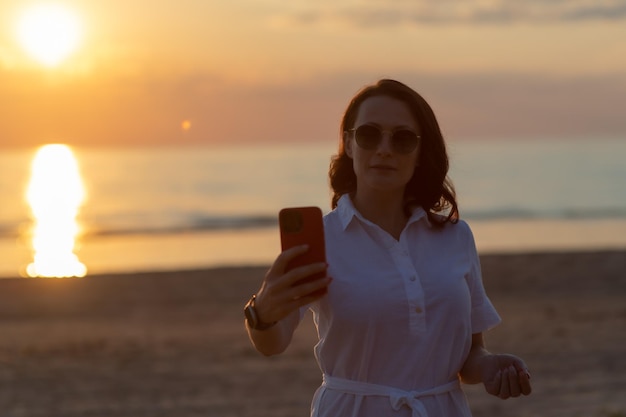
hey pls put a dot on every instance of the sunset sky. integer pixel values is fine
(151, 72)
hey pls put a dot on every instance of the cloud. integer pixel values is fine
(510, 105)
(379, 13)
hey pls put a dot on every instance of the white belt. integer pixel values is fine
(397, 397)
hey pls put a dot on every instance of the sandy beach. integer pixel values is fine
(173, 343)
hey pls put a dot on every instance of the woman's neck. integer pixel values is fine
(384, 210)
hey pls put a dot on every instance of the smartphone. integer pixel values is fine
(303, 225)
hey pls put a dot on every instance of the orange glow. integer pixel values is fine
(55, 194)
(134, 77)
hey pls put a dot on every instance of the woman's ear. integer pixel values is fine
(347, 144)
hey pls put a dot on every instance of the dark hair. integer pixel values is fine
(429, 187)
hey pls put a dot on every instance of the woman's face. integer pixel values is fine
(383, 168)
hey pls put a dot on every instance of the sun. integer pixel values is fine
(49, 33)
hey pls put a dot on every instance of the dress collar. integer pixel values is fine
(347, 212)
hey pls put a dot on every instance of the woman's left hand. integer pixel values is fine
(505, 376)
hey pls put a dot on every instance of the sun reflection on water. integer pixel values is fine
(55, 194)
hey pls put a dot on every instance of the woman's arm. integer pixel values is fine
(277, 338)
(503, 375)
(280, 298)
(470, 373)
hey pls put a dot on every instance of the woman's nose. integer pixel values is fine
(385, 145)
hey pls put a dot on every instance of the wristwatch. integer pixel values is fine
(252, 317)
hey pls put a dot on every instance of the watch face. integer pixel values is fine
(253, 319)
(250, 316)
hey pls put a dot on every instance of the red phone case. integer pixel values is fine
(303, 225)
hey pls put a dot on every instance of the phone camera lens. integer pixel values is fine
(291, 221)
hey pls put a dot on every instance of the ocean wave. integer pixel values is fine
(9, 230)
(515, 213)
(149, 224)
(203, 224)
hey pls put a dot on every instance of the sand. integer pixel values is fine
(173, 343)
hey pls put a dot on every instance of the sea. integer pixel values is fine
(189, 207)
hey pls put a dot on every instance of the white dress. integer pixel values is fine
(397, 323)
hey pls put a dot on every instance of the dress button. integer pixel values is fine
(418, 310)
(413, 278)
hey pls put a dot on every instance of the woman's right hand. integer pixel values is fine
(280, 296)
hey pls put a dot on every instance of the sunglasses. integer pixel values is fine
(369, 137)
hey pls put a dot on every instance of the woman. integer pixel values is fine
(402, 320)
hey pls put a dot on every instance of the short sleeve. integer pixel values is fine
(484, 314)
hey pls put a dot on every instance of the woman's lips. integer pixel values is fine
(383, 167)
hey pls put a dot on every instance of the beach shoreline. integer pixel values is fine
(122, 254)
(172, 342)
